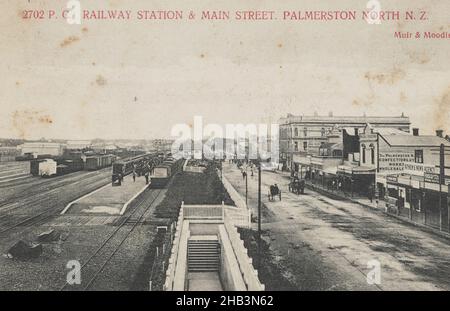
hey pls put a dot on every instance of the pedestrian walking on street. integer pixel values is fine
(146, 178)
(244, 175)
(134, 176)
(370, 194)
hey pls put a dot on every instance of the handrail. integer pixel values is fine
(170, 273)
(179, 281)
(249, 273)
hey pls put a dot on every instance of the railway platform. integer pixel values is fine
(108, 200)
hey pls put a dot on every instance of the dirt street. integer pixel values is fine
(325, 244)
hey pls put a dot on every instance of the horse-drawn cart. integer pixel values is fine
(297, 185)
(274, 191)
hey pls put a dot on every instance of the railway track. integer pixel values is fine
(45, 200)
(92, 268)
(35, 185)
(45, 192)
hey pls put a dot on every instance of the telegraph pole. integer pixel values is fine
(246, 190)
(441, 181)
(259, 215)
(259, 201)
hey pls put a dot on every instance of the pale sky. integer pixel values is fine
(136, 79)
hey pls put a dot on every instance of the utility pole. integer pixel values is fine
(351, 184)
(441, 181)
(259, 215)
(259, 199)
(246, 190)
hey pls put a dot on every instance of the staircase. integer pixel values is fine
(203, 254)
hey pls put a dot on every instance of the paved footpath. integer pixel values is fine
(327, 244)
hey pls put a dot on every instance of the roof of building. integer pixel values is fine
(389, 131)
(331, 146)
(419, 141)
(40, 144)
(79, 142)
(344, 119)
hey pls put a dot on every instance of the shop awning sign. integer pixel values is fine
(392, 178)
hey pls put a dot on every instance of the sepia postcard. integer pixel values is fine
(224, 146)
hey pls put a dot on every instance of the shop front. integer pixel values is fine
(418, 199)
(357, 180)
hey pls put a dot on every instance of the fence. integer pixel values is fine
(202, 211)
(234, 195)
(237, 216)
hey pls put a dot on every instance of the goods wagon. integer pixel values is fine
(98, 162)
(62, 169)
(72, 165)
(25, 157)
(44, 167)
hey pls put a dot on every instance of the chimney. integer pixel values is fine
(440, 133)
(330, 114)
(415, 131)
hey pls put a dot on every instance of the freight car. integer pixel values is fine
(140, 164)
(43, 167)
(94, 163)
(25, 157)
(70, 166)
(162, 173)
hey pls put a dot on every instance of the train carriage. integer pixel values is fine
(162, 173)
(140, 164)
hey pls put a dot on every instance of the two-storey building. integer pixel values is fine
(305, 135)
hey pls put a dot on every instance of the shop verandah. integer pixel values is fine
(414, 197)
(346, 180)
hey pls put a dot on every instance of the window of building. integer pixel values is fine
(372, 154)
(392, 192)
(296, 132)
(296, 146)
(363, 150)
(305, 145)
(323, 151)
(305, 132)
(337, 153)
(418, 156)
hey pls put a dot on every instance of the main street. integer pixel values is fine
(326, 244)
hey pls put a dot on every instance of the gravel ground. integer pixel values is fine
(48, 272)
(19, 201)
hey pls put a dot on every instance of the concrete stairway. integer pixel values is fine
(203, 254)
